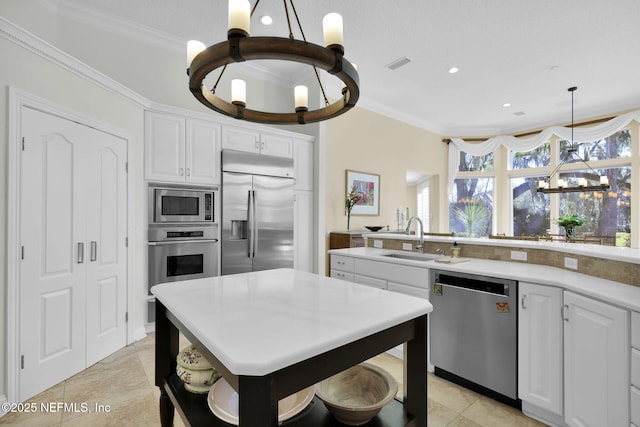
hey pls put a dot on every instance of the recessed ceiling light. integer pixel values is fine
(506, 104)
(266, 20)
(453, 70)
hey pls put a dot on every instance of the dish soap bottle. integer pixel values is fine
(455, 250)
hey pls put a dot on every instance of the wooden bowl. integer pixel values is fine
(356, 395)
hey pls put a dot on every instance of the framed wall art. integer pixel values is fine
(367, 187)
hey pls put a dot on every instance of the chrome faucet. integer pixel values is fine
(420, 245)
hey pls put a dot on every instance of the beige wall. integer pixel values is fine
(364, 141)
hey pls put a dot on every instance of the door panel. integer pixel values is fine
(51, 290)
(72, 288)
(106, 255)
(274, 222)
(235, 223)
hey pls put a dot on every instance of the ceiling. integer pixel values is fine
(522, 52)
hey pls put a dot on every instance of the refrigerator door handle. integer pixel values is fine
(251, 224)
(255, 226)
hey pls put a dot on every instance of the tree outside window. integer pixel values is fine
(530, 209)
(471, 207)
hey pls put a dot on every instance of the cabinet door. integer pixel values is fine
(240, 139)
(303, 231)
(303, 152)
(540, 346)
(202, 155)
(164, 147)
(276, 145)
(596, 367)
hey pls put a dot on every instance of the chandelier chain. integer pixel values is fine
(315, 70)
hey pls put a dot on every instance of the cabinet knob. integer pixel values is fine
(181, 171)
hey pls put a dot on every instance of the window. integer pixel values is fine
(536, 158)
(616, 146)
(607, 213)
(470, 163)
(422, 191)
(471, 207)
(530, 208)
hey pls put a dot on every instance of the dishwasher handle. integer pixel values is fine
(497, 289)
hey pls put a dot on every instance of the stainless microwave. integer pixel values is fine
(175, 205)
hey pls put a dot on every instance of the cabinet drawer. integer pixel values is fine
(344, 263)
(414, 276)
(635, 367)
(371, 281)
(635, 406)
(337, 274)
(635, 329)
(422, 292)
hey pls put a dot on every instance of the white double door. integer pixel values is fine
(73, 270)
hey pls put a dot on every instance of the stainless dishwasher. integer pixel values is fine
(474, 332)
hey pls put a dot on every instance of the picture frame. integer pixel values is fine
(368, 185)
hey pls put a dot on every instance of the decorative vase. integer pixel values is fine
(348, 218)
(570, 232)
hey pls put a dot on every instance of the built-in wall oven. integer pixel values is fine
(182, 236)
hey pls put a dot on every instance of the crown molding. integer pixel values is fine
(34, 44)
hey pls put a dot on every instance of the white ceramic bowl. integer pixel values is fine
(195, 371)
(223, 402)
(356, 395)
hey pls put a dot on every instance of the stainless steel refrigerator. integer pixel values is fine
(257, 212)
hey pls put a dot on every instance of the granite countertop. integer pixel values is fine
(257, 323)
(616, 293)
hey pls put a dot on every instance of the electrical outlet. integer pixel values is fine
(570, 263)
(519, 255)
(407, 247)
(377, 244)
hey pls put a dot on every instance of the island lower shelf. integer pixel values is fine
(194, 410)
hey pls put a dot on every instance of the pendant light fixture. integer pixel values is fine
(582, 185)
(240, 47)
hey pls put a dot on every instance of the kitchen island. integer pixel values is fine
(273, 333)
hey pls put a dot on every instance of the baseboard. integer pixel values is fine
(3, 400)
(150, 328)
(139, 334)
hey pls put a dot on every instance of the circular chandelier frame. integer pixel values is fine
(240, 49)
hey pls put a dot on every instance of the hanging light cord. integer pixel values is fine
(286, 11)
(573, 150)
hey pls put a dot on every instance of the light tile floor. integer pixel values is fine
(122, 386)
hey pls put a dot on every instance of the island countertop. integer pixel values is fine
(257, 323)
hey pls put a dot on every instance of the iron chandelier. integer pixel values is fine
(563, 185)
(240, 47)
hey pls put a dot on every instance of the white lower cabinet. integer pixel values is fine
(635, 369)
(371, 281)
(540, 346)
(596, 363)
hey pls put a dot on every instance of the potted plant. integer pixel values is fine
(570, 222)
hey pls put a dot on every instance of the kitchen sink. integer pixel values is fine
(413, 257)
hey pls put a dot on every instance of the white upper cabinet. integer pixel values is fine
(181, 150)
(253, 141)
(540, 346)
(202, 152)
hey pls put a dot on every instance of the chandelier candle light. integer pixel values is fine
(563, 185)
(240, 47)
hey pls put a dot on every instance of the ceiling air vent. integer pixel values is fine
(519, 113)
(398, 63)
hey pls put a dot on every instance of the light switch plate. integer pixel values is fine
(407, 247)
(571, 263)
(377, 244)
(519, 255)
